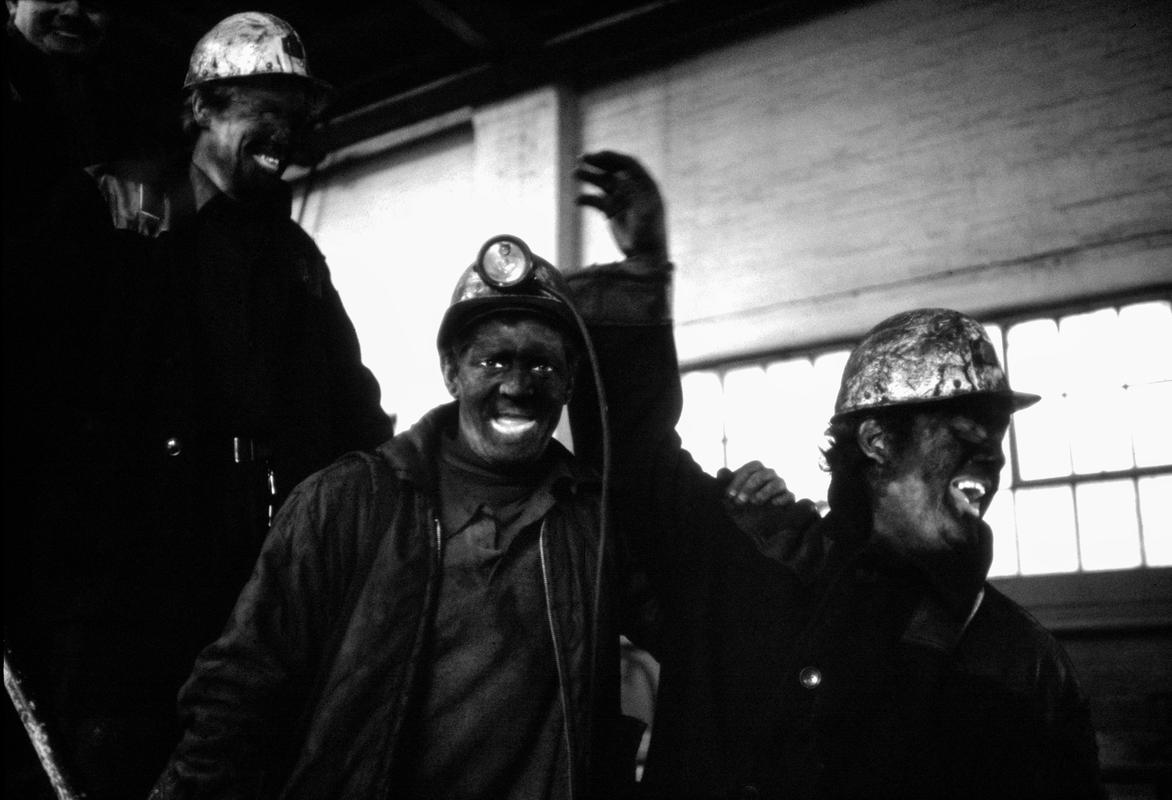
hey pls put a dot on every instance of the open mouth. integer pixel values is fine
(268, 155)
(967, 493)
(513, 426)
(267, 161)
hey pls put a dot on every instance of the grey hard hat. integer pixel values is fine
(253, 44)
(920, 356)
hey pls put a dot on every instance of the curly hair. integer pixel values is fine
(846, 462)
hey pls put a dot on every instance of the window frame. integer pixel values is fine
(1079, 601)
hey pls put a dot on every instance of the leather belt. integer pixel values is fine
(237, 449)
(241, 450)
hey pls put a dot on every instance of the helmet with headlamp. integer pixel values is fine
(507, 277)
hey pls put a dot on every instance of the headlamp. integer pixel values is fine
(504, 261)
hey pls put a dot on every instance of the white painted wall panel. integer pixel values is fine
(979, 155)
(394, 231)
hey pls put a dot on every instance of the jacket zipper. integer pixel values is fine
(557, 660)
(421, 631)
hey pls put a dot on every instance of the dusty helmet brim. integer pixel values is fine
(319, 93)
(1014, 401)
(468, 312)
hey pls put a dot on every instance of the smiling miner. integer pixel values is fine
(423, 618)
(920, 417)
(248, 100)
(238, 375)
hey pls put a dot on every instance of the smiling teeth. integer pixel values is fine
(967, 494)
(267, 161)
(973, 490)
(512, 427)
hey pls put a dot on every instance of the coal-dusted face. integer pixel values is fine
(941, 477)
(247, 133)
(511, 375)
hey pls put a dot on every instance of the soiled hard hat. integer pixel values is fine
(251, 44)
(514, 281)
(920, 356)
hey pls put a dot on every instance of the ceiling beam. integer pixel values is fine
(643, 37)
(456, 23)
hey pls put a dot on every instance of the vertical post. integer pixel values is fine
(525, 150)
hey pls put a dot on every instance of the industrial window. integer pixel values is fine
(1087, 485)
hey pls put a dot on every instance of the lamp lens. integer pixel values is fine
(505, 262)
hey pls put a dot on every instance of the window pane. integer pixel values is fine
(994, 333)
(1000, 519)
(747, 428)
(1145, 331)
(1108, 531)
(701, 425)
(1045, 530)
(1089, 349)
(1103, 440)
(1042, 446)
(1150, 425)
(799, 423)
(827, 377)
(1155, 506)
(1041, 431)
(1032, 358)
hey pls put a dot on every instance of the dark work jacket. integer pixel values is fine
(886, 694)
(851, 681)
(77, 99)
(306, 693)
(229, 297)
(237, 332)
(62, 532)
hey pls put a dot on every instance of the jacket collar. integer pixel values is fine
(937, 620)
(204, 190)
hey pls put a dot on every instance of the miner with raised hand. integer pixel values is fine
(433, 618)
(421, 621)
(888, 669)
